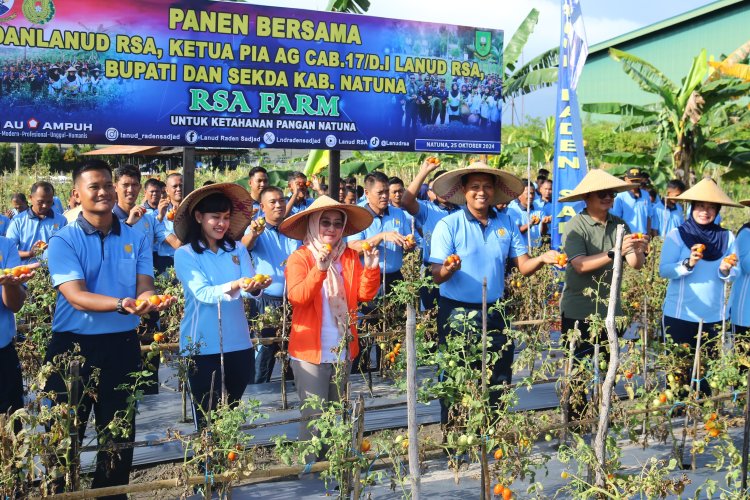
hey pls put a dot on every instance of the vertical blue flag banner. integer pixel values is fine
(570, 159)
(231, 74)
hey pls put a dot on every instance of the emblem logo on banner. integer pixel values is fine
(482, 43)
(38, 11)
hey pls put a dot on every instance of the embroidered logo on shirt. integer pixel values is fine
(55, 226)
(501, 232)
(397, 222)
(236, 259)
(128, 248)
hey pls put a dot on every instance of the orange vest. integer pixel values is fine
(304, 283)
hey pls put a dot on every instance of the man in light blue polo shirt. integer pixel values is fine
(12, 296)
(103, 272)
(485, 242)
(634, 206)
(529, 223)
(166, 241)
(299, 199)
(388, 231)
(427, 213)
(269, 250)
(665, 218)
(32, 229)
(257, 181)
(152, 190)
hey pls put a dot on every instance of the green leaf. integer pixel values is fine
(697, 74)
(647, 76)
(624, 158)
(353, 6)
(517, 42)
(538, 73)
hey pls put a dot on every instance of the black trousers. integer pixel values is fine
(116, 355)
(239, 370)
(365, 345)
(11, 381)
(502, 371)
(686, 332)
(162, 263)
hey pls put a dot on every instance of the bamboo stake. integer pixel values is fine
(74, 460)
(284, 359)
(411, 400)
(614, 361)
(224, 396)
(693, 376)
(565, 400)
(483, 446)
(357, 434)
(746, 436)
(528, 205)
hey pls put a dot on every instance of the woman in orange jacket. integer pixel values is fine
(325, 283)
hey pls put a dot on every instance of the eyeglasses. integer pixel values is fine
(605, 194)
(336, 225)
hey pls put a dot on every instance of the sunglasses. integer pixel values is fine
(327, 223)
(605, 194)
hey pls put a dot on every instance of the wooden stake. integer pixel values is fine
(74, 458)
(483, 447)
(565, 399)
(411, 400)
(224, 395)
(693, 378)
(284, 358)
(357, 433)
(746, 435)
(614, 361)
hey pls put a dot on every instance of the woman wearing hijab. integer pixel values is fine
(693, 259)
(454, 104)
(326, 281)
(739, 300)
(216, 273)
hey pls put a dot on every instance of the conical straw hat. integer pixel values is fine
(357, 218)
(597, 180)
(448, 185)
(242, 209)
(708, 191)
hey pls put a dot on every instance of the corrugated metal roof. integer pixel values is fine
(125, 150)
(666, 23)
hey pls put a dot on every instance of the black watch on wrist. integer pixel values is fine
(611, 255)
(120, 309)
(687, 265)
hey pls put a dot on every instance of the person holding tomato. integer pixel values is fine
(739, 300)
(103, 272)
(216, 274)
(325, 283)
(697, 260)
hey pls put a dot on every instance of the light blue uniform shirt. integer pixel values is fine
(4, 223)
(664, 220)
(430, 213)
(206, 279)
(739, 300)
(150, 209)
(269, 255)
(692, 295)
(484, 252)
(8, 259)
(145, 224)
(411, 222)
(107, 264)
(298, 207)
(634, 211)
(57, 205)
(545, 207)
(164, 228)
(393, 219)
(26, 229)
(519, 217)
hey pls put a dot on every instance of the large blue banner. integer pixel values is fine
(206, 73)
(570, 159)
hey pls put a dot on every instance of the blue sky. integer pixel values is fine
(604, 19)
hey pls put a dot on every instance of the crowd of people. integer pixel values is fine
(330, 259)
(55, 79)
(431, 100)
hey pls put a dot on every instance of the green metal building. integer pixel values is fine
(670, 45)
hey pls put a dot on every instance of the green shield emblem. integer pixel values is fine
(483, 43)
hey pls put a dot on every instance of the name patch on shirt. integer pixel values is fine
(236, 260)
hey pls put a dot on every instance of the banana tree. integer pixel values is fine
(694, 121)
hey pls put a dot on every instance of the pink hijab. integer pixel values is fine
(334, 282)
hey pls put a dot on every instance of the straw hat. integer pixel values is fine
(448, 185)
(242, 209)
(597, 180)
(72, 68)
(707, 191)
(357, 218)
